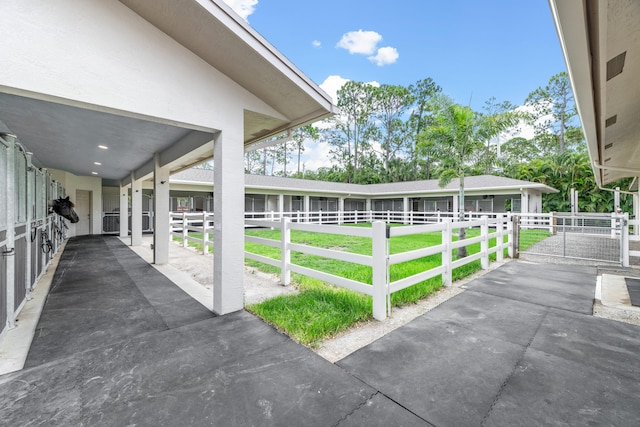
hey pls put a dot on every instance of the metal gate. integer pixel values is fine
(584, 238)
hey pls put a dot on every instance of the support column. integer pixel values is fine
(228, 235)
(636, 229)
(124, 211)
(280, 206)
(340, 210)
(616, 200)
(136, 211)
(307, 207)
(161, 212)
(405, 207)
(524, 202)
(10, 209)
(456, 210)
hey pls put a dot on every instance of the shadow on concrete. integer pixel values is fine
(119, 345)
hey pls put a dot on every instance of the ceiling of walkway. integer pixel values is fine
(69, 138)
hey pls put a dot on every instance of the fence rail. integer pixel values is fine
(380, 259)
(182, 223)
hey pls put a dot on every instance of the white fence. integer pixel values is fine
(183, 223)
(380, 259)
(357, 217)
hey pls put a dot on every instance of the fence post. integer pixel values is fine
(447, 276)
(500, 237)
(510, 220)
(285, 254)
(379, 273)
(624, 239)
(552, 223)
(185, 232)
(205, 235)
(356, 216)
(484, 243)
(170, 227)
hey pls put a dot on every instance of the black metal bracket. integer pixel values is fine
(10, 252)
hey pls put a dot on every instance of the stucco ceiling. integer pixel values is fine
(68, 138)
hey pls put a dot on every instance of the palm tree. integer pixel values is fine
(460, 134)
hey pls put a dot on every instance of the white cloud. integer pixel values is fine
(244, 8)
(385, 55)
(332, 84)
(316, 155)
(316, 43)
(363, 42)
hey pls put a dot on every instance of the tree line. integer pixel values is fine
(391, 133)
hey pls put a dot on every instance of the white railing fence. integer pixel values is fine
(184, 223)
(357, 217)
(380, 260)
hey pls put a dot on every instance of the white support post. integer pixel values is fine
(355, 213)
(161, 216)
(185, 229)
(280, 206)
(205, 234)
(10, 209)
(500, 237)
(379, 254)
(285, 254)
(124, 211)
(136, 211)
(484, 243)
(340, 210)
(405, 208)
(636, 229)
(31, 208)
(228, 234)
(447, 259)
(510, 236)
(624, 239)
(616, 200)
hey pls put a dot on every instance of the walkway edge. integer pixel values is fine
(14, 347)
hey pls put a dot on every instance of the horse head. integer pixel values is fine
(64, 207)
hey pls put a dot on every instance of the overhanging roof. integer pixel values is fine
(485, 184)
(601, 45)
(64, 133)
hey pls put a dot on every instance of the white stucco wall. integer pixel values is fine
(102, 55)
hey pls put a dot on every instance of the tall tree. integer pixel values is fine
(300, 135)
(390, 103)
(419, 148)
(352, 127)
(555, 114)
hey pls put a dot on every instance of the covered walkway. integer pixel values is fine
(119, 344)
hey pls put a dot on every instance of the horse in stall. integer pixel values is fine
(64, 207)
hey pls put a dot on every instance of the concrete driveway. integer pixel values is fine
(120, 346)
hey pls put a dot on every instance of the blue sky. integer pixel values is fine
(473, 49)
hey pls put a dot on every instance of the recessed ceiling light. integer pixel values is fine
(97, 163)
(104, 147)
(94, 173)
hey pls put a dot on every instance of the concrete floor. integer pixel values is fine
(118, 345)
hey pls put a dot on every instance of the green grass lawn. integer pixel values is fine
(321, 310)
(304, 315)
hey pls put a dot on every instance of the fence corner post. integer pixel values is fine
(484, 243)
(285, 256)
(205, 234)
(185, 230)
(624, 240)
(500, 237)
(511, 218)
(447, 259)
(379, 273)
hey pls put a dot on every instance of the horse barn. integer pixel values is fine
(121, 95)
(190, 192)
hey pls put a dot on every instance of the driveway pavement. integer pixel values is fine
(117, 344)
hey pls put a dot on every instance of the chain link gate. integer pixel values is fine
(582, 238)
